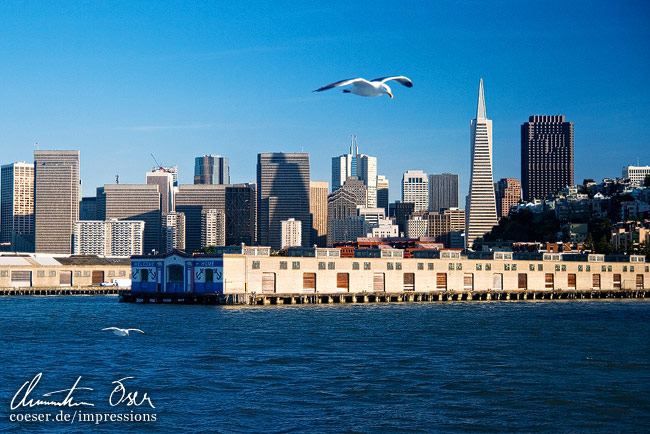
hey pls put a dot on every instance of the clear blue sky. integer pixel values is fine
(121, 80)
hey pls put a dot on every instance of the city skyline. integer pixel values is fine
(98, 94)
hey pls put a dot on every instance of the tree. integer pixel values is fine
(589, 243)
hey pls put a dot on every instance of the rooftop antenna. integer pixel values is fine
(117, 179)
(36, 145)
(353, 145)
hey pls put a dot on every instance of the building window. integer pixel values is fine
(459, 266)
(256, 265)
(122, 273)
(647, 269)
(355, 265)
(144, 275)
(631, 268)
(398, 265)
(588, 267)
(4, 273)
(540, 267)
(40, 274)
(77, 274)
(321, 265)
(111, 274)
(366, 265)
(579, 267)
(451, 266)
(557, 267)
(506, 267)
(331, 265)
(514, 267)
(609, 268)
(389, 265)
(430, 266)
(420, 266)
(53, 273)
(488, 267)
(209, 275)
(563, 267)
(283, 265)
(87, 273)
(479, 267)
(603, 268)
(624, 268)
(295, 265)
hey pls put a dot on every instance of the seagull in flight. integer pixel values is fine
(372, 88)
(122, 332)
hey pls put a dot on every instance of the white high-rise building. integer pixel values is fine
(415, 189)
(367, 172)
(481, 204)
(165, 182)
(17, 205)
(213, 228)
(173, 231)
(636, 174)
(291, 233)
(111, 237)
(417, 226)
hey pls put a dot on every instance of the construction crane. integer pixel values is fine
(158, 166)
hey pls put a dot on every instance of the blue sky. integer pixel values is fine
(121, 80)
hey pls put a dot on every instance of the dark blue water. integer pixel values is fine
(457, 367)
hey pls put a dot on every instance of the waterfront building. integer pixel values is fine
(282, 193)
(56, 200)
(508, 194)
(17, 206)
(481, 205)
(133, 202)
(191, 199)
(165, 182)
(213, 227)
(211, 169)
(173, 231)
(382, 192)
(318, 209)
(636, 174)
(291, 233)
(546, 156)
(415, 189)
(443, 191)
(110, 237)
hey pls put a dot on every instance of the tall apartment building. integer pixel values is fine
(508, 194)
(133, 202)
(111, 237)
(382, 192)
(282, 193)
(56, 200)
(191, 200)
(367, 172)
(481, 205)
(417, 225)
(165, 182)
(291, 233)
(636, 174)
(211, 169)
(173, 231)
(443, 191)
(213, 227)
(447, 227)
(415, 189)
(17, 206)
(546, 156)
(318, 210)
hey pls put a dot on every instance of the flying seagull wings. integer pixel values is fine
(135, 330)
(111, 328)
(345, 82)
(398, 78)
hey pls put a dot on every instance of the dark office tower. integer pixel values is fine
(282, 193)
(443, 191)
(211, 169)
(240, 214)
(133, 202)
(88, 208)
(17, 206)
(546, 156)
(56, 200)
(403, 211)
(191, 200)
(382, 193)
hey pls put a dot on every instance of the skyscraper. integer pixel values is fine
(191, 200)
(282, 193)
(382, 192)
(367, 172)
(213, 227)
(481, 207)
(508, 193)
(443, 191)
(546, 156)
(17, 206)
(343, 203)
(291, 233)
(108, 238)
(240, 205)
(133, 202)
(165, 182)
(173, 231)
(211, 169)
(415, 189)
(318, 210)
(56, 200)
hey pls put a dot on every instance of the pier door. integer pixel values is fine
(309, 282)
(617, 281)
(441, 281)
(571, 281)
(548, 281)
(639, 281)
(595, 282)
(65, 278)
(468, 282)
(268, 283)
(497, 281)
(175, 278)
(343, 282)
(21, 278)
(409, 281)
(522, 281)
(97, 277)
(378, 282)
